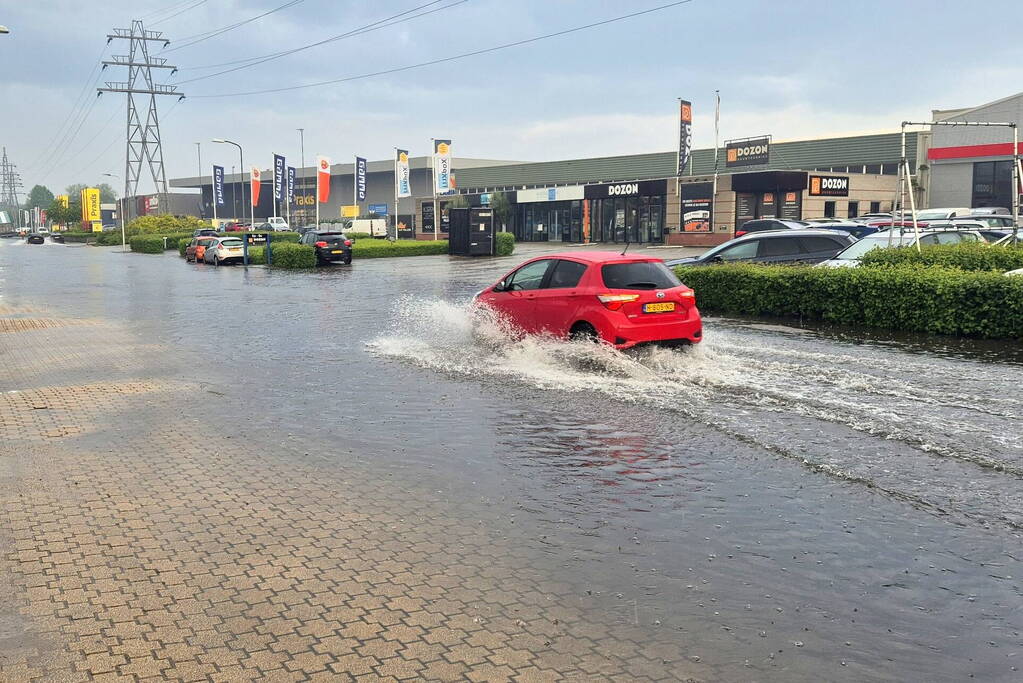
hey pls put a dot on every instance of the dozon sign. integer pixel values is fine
(641, 188)
(829, 186)
(748, 152)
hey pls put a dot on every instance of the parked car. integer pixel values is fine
(989, 234)
(761, 224)
(236, 226)
(808, 245)
(109, 227)
(331, 247)
(57, 237)
(857, 230)
(941, 214)
(205, 232)
(278, 224)
(987, 210)
(863, 218)
(304, 229)
(196, 248)
(822, 221)
(35, 238)
(990, 220)
(898, 237)
(1010, 238)
(223, 250)
(621, 300)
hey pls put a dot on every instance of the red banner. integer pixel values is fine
(322, 179)
(254, 178)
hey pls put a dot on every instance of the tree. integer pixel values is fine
(502, 207)
(39, 196)
(107, 194)
(460, 201)
(61, 216)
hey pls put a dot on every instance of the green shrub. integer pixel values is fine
(257, 256)
(108, 238)
(968, 256)
(164, 225)
(933, 299)
(359, 235)
(156, 244)
(288, 255)
(383, 248)
(505, 243)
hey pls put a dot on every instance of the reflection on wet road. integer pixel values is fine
(789, 504)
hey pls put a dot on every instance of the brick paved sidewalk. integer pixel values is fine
(133, 547)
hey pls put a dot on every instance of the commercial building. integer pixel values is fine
(972, 165)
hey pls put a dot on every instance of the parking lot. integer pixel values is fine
(240, 473)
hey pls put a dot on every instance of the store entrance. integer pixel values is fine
(550, 222)
(627, 219)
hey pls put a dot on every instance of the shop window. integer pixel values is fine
(873, 168)
(854, 209)
(992, 183)
(875, 207)
(829, 209)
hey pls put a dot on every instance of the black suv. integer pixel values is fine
(331, 247)
(762, 224)
(778, 246)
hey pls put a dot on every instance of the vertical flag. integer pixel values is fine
(218, 185)
(360, 180)
(291, 184)
(442, 166)
(278, 177)
(685, 134)
(401, 173)
(254, 177)
(322, 179)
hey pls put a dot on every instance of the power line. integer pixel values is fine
(199, 37)
(163, 10)
(358, 31)
(190, 7)
(464, 55)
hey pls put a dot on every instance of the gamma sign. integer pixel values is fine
(754, 152)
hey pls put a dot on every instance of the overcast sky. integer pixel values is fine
(792, 68)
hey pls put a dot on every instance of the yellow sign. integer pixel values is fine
(97, 226)
(90, 205)
(350, 211)
(64, 200)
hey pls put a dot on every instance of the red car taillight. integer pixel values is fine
(614, 302)
(740, 233)
(348, 243)
(321, 244)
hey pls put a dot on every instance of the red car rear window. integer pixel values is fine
(639, 275)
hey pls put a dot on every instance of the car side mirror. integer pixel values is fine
(717, 259)
(501, 286)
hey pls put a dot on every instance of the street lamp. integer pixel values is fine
(241, 162)
(120, 209)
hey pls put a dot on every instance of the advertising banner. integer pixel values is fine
(218, 185)
(254, 179)
(90, 205)
(751, 152)
(378, 209)
(64, 200)
(697, 207)
(685, 134)
(360, 180)
(350, 211)
(829, 186)
(291, 184)
(322, 179)
(402, 173)
(442, 180)
(278, 177)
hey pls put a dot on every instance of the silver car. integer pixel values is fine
(898, 237)
(224, 250)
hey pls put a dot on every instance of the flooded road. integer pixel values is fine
(787, 504)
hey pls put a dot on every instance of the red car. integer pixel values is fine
(623, 301)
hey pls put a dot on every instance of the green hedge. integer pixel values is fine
(505, 243)
(108, 238)
(358, 235)
(384, 248)
(164, 225)
(288, 255)
(154, 244)
(934, 299)
(969, 256)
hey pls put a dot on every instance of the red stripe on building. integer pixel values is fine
(1003, 149)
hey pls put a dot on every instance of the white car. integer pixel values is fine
(940, 214)
(900, 237)
(224, 250)
(278, 224)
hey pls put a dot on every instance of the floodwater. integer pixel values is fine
(792, 504)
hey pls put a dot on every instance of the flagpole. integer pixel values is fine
(714, 186)
(433, 182)
(396, 197)
(678, 162)
(214, 187)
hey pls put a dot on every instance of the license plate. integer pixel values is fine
(235, 251)
(337, 251)
(664, 307)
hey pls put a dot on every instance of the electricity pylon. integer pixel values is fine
(10, 184)
(143, 139)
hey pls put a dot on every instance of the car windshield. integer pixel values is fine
(639, 275)
(878, 240)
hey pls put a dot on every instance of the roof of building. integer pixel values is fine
(799, 154)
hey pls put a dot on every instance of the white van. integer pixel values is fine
(941, 214)
(376, 227)
(278, 224)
